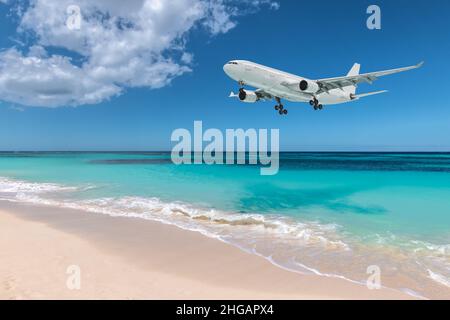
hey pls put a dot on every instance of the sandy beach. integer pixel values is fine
(126, 258)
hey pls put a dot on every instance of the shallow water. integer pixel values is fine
(334, 214)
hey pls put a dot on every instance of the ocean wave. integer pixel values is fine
(18, 186)
(438, 249)
(211, 222)
(215, 223)
(439, 278)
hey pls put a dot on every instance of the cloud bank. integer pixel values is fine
(75, 52)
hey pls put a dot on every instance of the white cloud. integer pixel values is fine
(274, 5)
(220, 13)
(187, 57)
(118, 45)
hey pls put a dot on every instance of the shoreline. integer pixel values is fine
(131, 258)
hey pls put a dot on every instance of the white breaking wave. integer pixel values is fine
(211, 222)
(439, 278)
(442, 249)
(18, 186)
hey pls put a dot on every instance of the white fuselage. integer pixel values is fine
(274, 81)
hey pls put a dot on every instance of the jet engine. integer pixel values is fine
(309, 86)
(248, 96)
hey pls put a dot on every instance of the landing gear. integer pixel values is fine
(279, 107)
(316, 105)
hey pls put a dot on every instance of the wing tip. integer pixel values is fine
(420, 64)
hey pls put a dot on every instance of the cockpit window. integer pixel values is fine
(232, 62)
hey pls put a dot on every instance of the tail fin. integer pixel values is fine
(354, 71)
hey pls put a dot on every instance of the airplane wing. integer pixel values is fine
(340, 82)
(263, 95)
(362, 95)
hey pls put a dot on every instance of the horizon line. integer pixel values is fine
(169, 151)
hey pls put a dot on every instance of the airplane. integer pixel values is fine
(275, 84)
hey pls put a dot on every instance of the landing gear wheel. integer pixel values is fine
(279, 107)
(320, 107)
(315, 104)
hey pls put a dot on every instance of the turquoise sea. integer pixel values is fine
(334, 214)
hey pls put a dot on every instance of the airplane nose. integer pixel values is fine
(229, 70)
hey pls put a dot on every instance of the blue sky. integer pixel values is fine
(312, 39)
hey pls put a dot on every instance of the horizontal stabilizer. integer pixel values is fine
(362, 95)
